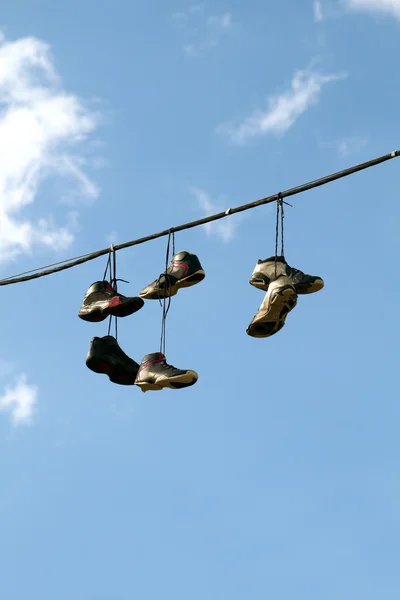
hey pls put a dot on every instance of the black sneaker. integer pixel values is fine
(185, 270)
(101, 301)
(106, 357)
(155, 374)
(264, 274)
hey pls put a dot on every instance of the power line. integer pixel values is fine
(73, 262)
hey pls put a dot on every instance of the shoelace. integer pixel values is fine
(167, 366)
(279, 213)
(166, 284)
(165, 302)
(113, 283)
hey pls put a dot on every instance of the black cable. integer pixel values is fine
(69, 263)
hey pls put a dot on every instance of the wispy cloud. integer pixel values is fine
(390, 7)
(347, 146)
(224, 228)
(181, 17)
(195, 8)
(282, 110)
(20, 402)
(328, 9)
(202, 32)
(193, 50)
(220, 21)
(318, 13)
(351, 145)
(40, 123)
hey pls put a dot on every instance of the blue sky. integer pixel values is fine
(276, 475)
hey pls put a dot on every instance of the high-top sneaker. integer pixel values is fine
(280, 299)
(156, 374)
(101, 301)
(105, 356)
(185, 270)
(264, 273)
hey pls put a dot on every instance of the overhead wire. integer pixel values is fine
(73, 262)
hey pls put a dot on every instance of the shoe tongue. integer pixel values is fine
(154, 357)
(110, 339)
(280, 259)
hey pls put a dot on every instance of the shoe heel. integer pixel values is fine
(145, 387)
(96, 316)
(122, 379)
(98, 366)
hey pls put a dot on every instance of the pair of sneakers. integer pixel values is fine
(154, 373)
(107, 357)
(282, 285)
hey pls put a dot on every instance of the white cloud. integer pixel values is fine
(193, 50)
(224, 228)
(221, 21)
(351, 145)
(39, 124)
(329, 9)
(195, 8)
(180, 18)
(390, 7)
(20, 401)
(202, 32)
(318, 13)
(282, 110)
(346, 146)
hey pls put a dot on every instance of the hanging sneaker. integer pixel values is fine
(305, 284)
(105, 356)
(185, 270)
(279, 300)
(156, 374)
(264, 273)
(101, 301)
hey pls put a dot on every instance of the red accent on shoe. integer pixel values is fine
(160, 358)
(105, 367)
(184, 266)
(156, 360)
(114, 302)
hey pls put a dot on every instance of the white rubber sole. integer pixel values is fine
(174, 383)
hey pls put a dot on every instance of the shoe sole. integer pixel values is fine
(173, 383)
(116, 307)
(173, 290)
(115, 373)
(301, 288)
(310, 288)
(283, 302)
